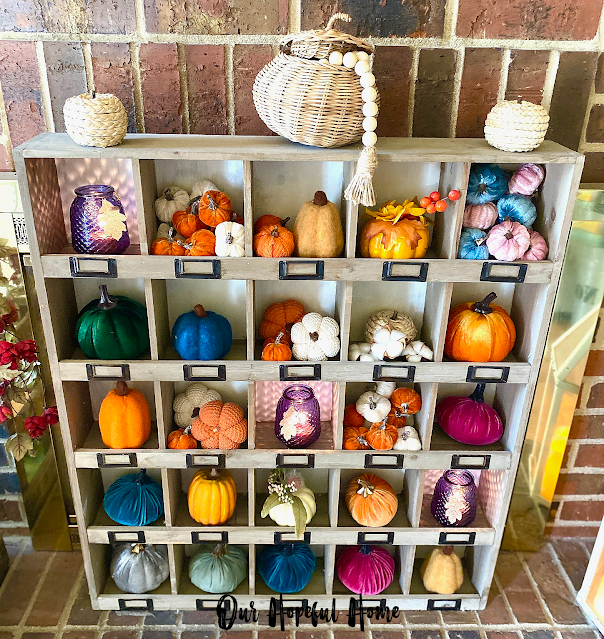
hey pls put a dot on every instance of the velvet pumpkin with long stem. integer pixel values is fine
(124, 418)
(365, 569)
(286, 568)
(134, 500)
(202, 335)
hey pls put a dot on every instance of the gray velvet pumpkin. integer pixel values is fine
(138, 568)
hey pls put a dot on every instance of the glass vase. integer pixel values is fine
(298, 417)
(454, 499)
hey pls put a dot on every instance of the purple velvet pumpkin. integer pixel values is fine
(469, 420)
(366, 569)
(526, 179)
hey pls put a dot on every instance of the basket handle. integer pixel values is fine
(337, 16)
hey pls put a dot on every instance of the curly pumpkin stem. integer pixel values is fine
(320, 199)
(484, 307)
(121, 389)
(372, 404)
(194, 200)
(366, 489)
(137, 548)
(199, 310)
(478, 394)
(106, 303)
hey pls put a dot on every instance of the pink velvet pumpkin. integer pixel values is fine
(526, 179)
(366, 569)
(480, 216)
(537, 249)
(508, 241)
(469, 420)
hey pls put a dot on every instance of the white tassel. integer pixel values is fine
(360, 189)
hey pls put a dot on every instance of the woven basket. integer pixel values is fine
(95, 119)
(516, 126)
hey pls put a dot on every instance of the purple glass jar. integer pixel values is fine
(298, 417)
(454, 499)
(98, 221)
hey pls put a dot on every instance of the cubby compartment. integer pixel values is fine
(469, 556)
(266, 397)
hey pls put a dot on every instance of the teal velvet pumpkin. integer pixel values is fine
(112, 327)
(134, 500)
(487, 183)
(201, 334)
(472, 245)
(287, 568)
(517, 208)
(218, 569)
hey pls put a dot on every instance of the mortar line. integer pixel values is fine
(13, 567)
(184, 87)
(87, 55)
(294, 16)
(412, 87)
(73, 594)
(139, 17)
(229, 77)
(550, 79)
(44, 88)
(32, 600)
(6, 137)
(137, 87)
(460, 58)
(506, 59)
(535, 587)
(450, 24)
(556, 560)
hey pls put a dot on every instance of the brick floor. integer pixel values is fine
(44, 596)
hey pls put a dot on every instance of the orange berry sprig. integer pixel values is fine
(434, 202)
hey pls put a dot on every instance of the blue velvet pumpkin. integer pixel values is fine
(469, 248)
(134, 500)
(517, 208)
(487, 183)
(202, 335)
(287, 568)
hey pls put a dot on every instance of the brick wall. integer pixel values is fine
(441, 65)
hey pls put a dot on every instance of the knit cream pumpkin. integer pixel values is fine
(185, 404)
(315, 338)
(442, 572)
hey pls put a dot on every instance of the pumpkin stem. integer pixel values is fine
(137, 548)
(214, 473)
(482, 188)
(478, 394)
(372, 404)
(285, 220)
(106, 303)
(278, 338)
(92, 93)
(194, 200)
(219, 550)
(168, 194)
(447, 550)
(314, 336)
(195, 412)
(142, 476)
(320, 199)
(275, 231)
(484, 307)
(121, 389)
(509, 236)
(365, 549)
(366, 489)
(229, 238)
(199, 310)
(480, 241)
(212, 205)
(394, 315)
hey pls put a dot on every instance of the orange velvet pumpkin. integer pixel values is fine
(382, 435)
(220, 425)
(277, 350)
(406, 400)
(352, 417)
(124, 418)
(167, 245)
(274, 241)
(181, 439)
(202, 242)
(281, 316)
(355, 438)
(479, 332)
(214, 207)
(396, 418)
(186, 222)
(371, 500)
(269, 220)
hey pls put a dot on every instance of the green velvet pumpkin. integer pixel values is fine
(218, 569)
(113, 327)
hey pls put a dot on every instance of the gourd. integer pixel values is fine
(230, 239)
(382, 435)
(220, 426)
(393, 321)
(318, 229)
(517, 208)
(173, 199)
(407, 439)
(280, 317)
(479, 332)
(186, 405)
(360, 352)
(386, 240)
(199, 188)
(134, 500)
(352, 417)
(181, 439)
(213, 208)
(276, 350)
(139, 568)
(355, 438)
(487, 183)
(418, 351)
(442, 571)
(472, 245)
(526, 179)
(167, 245)
(372, 406)
(269, 220)
(112, 327)
(274, 241)
(212, 496)
(201, 243)
(218, 569)
(407, 400)
(365, 569)
(290, 502)
(286, 568)
(537, 249)
(508, 241)
(186, 222)
(480, 216)
(124, 419)
(371, 500)
(202, 335)
(315, 338)
(469, 420)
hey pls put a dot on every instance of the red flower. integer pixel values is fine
(51, 416)
(9, 354)
(36, 426)
(27, 350)
(5, 412)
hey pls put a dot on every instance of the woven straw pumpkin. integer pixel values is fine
(516, 126)
(95, 119)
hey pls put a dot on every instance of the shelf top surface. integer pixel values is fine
(275, 148)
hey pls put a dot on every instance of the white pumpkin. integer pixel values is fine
(199, 188)
(230, 239)
(408, 439)
(360, 352)
(163, 231)
(388, 344)
(373, 406)
(173, 199)
(417, 351)
(283, 514)
(195, 396)
(385, 389)
(315, 338)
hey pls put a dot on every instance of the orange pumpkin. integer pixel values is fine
(212, 496)
(202, 242)
(269, 220)
(479, 332)
(371, 500)
(214, 207)
(355, 438)
(167, 245)
(281, 316)
(396, 418)
(277, 350)
(220, 425)
(352, 417)
(274, 241)
(181, 439)
(382, 435)
(124, 418)
(186, 222)
(406, 400)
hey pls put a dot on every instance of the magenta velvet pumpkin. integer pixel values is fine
(469, 420)
(480, 216)
(537, 249)
(526, 179)
(366, 569)
(508, 241)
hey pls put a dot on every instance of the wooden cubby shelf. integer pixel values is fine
(263, 175)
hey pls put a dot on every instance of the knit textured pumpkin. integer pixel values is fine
(365, 569)
(407, 400)
(134, 500)
(315, 338)
(480, 216)
(214, 207)
(269, 220)
(382, 435)
(442, 571)
(181, 439)
(318, 229)
(472, 245)
(212, 496)
(186, 405)
(186, 223)
(371, 500)
(508, 241)
(280, 317)
(355, 438)
(124, 419)
(277, 349)
(220, 426)
(274, 241)
(479, 332)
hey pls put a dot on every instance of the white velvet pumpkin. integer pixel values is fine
(283, 514)
(385, 389)
(173, 199)
(163, 231)
(195, 396)
(199, 188)
(230, 239)
(408, 439)
(315, 338)
(139, 568)
(373, 407)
